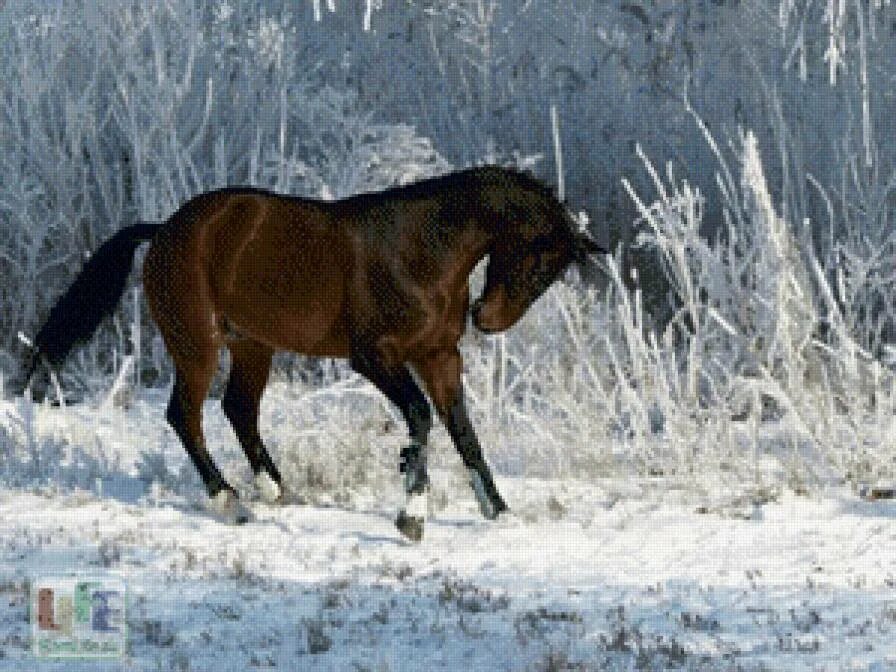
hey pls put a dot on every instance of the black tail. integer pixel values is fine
(93, 295)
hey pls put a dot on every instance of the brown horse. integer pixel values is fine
(380, 279)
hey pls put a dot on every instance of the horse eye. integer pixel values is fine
(532, 263)
(542, 270)
(545, 264)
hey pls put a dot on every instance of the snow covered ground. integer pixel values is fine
(610, 575)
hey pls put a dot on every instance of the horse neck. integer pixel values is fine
(490, 231)
(476, 243)
(492, 222)
(485, 224)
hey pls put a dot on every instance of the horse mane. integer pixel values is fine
(520, 176)
(494, 174)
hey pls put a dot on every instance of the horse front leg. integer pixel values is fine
(399, 387)
(441, 372)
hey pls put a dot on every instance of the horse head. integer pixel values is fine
(538, 239)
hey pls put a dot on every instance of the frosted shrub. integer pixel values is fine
(748, 329)
(333, 443)
(268, 41)
(758, 380)
(35, 456)
(345, 151)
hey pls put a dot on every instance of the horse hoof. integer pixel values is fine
(489, 512)
(490, 504)
(492, 509)
(227, 508)
(410, 526)
(268, 489)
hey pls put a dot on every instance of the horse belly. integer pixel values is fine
(310, 325)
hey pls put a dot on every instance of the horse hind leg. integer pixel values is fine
(180, 303)
(184, 414)
(250, 363)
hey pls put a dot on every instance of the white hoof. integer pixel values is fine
(227, 508)
(416, 505)
(268, 488)
(412, 517)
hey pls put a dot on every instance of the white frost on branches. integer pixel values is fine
(344, 151)
(781, 283)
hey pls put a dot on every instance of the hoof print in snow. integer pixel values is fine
(410, 526)
(227, 508)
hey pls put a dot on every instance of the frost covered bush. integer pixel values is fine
(344, 151)
(34, 456)
(758, 379)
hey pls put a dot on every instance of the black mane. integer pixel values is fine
(467, 178)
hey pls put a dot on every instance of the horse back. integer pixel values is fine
(274, 267)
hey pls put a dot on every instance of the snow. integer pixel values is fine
(612, 574)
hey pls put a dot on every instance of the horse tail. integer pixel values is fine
(94, 294)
